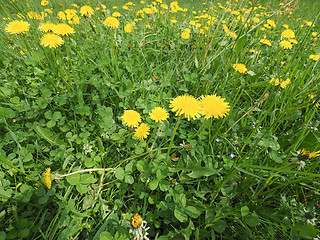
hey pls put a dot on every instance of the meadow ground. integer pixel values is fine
(159, 119)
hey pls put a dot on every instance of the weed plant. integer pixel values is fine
(159, 120)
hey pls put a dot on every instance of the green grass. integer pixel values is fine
(241, 176)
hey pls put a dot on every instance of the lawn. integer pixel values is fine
(159, 119)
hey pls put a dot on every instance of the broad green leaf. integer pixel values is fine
(244, 211)
(271, 143)
(219, 226)
(252, 220)
(275, 157)
(73, 179)
(154, 184)
(82, 189)
(192, 211)
(305, 231)
(7, 112)
(180, 214)
(87, 179)
(119, 173)
(129, 179)
(106, 236)
(198, 172)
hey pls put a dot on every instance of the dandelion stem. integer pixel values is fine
(174, 133)
(201, 128)
(152, 135)
(86, 170)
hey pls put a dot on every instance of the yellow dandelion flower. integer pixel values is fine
(159, 114)
(310, 155)
(142, 131)
(288, 34)
(164, 6)
(17, 27)
(285, 26)
(232, 34)
(129, 27)
(285, 83)
(111, 22)
(44, 3)
(271, 23)
(187, 106)
(274, 81)
(241, 68)
(265, 41)
(286, 44)
(61, 15)
(131, 118)
(173, 20)
(47, 178)
(46, 27)
(185, 35)
(188, 30)
(136, 220)
(86, 11)
(213, 106)
(51, 40)
(63, 29)
(314, 154)
(256, 20)
(116, 14)
(315, 57)
(293, 41)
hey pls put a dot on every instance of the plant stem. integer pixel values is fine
(152, 135)
(174, 133)
(85, 170)
(200, 129)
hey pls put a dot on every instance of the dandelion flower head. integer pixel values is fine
(17, 27)
(283, 83)
(310, 155)
(131, 118)
(187, 106)
(46, 27)
(315, 57)
(63, 29)
(214, 106)
(86, 11)
(271, 23)
(314, 154)
(47, 178)
(185, 35)
(288, 34)
(136, 220)
(116, 14)
(139, 229)
(111, 22)
(241, 68)
(44, 3)
(51, 40)
(286, 44)
(159, 114)
(129, 27)
(265, 41)
(142, 131)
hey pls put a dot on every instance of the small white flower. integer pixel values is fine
(87, 148)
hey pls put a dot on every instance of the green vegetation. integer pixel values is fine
(80, 153)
